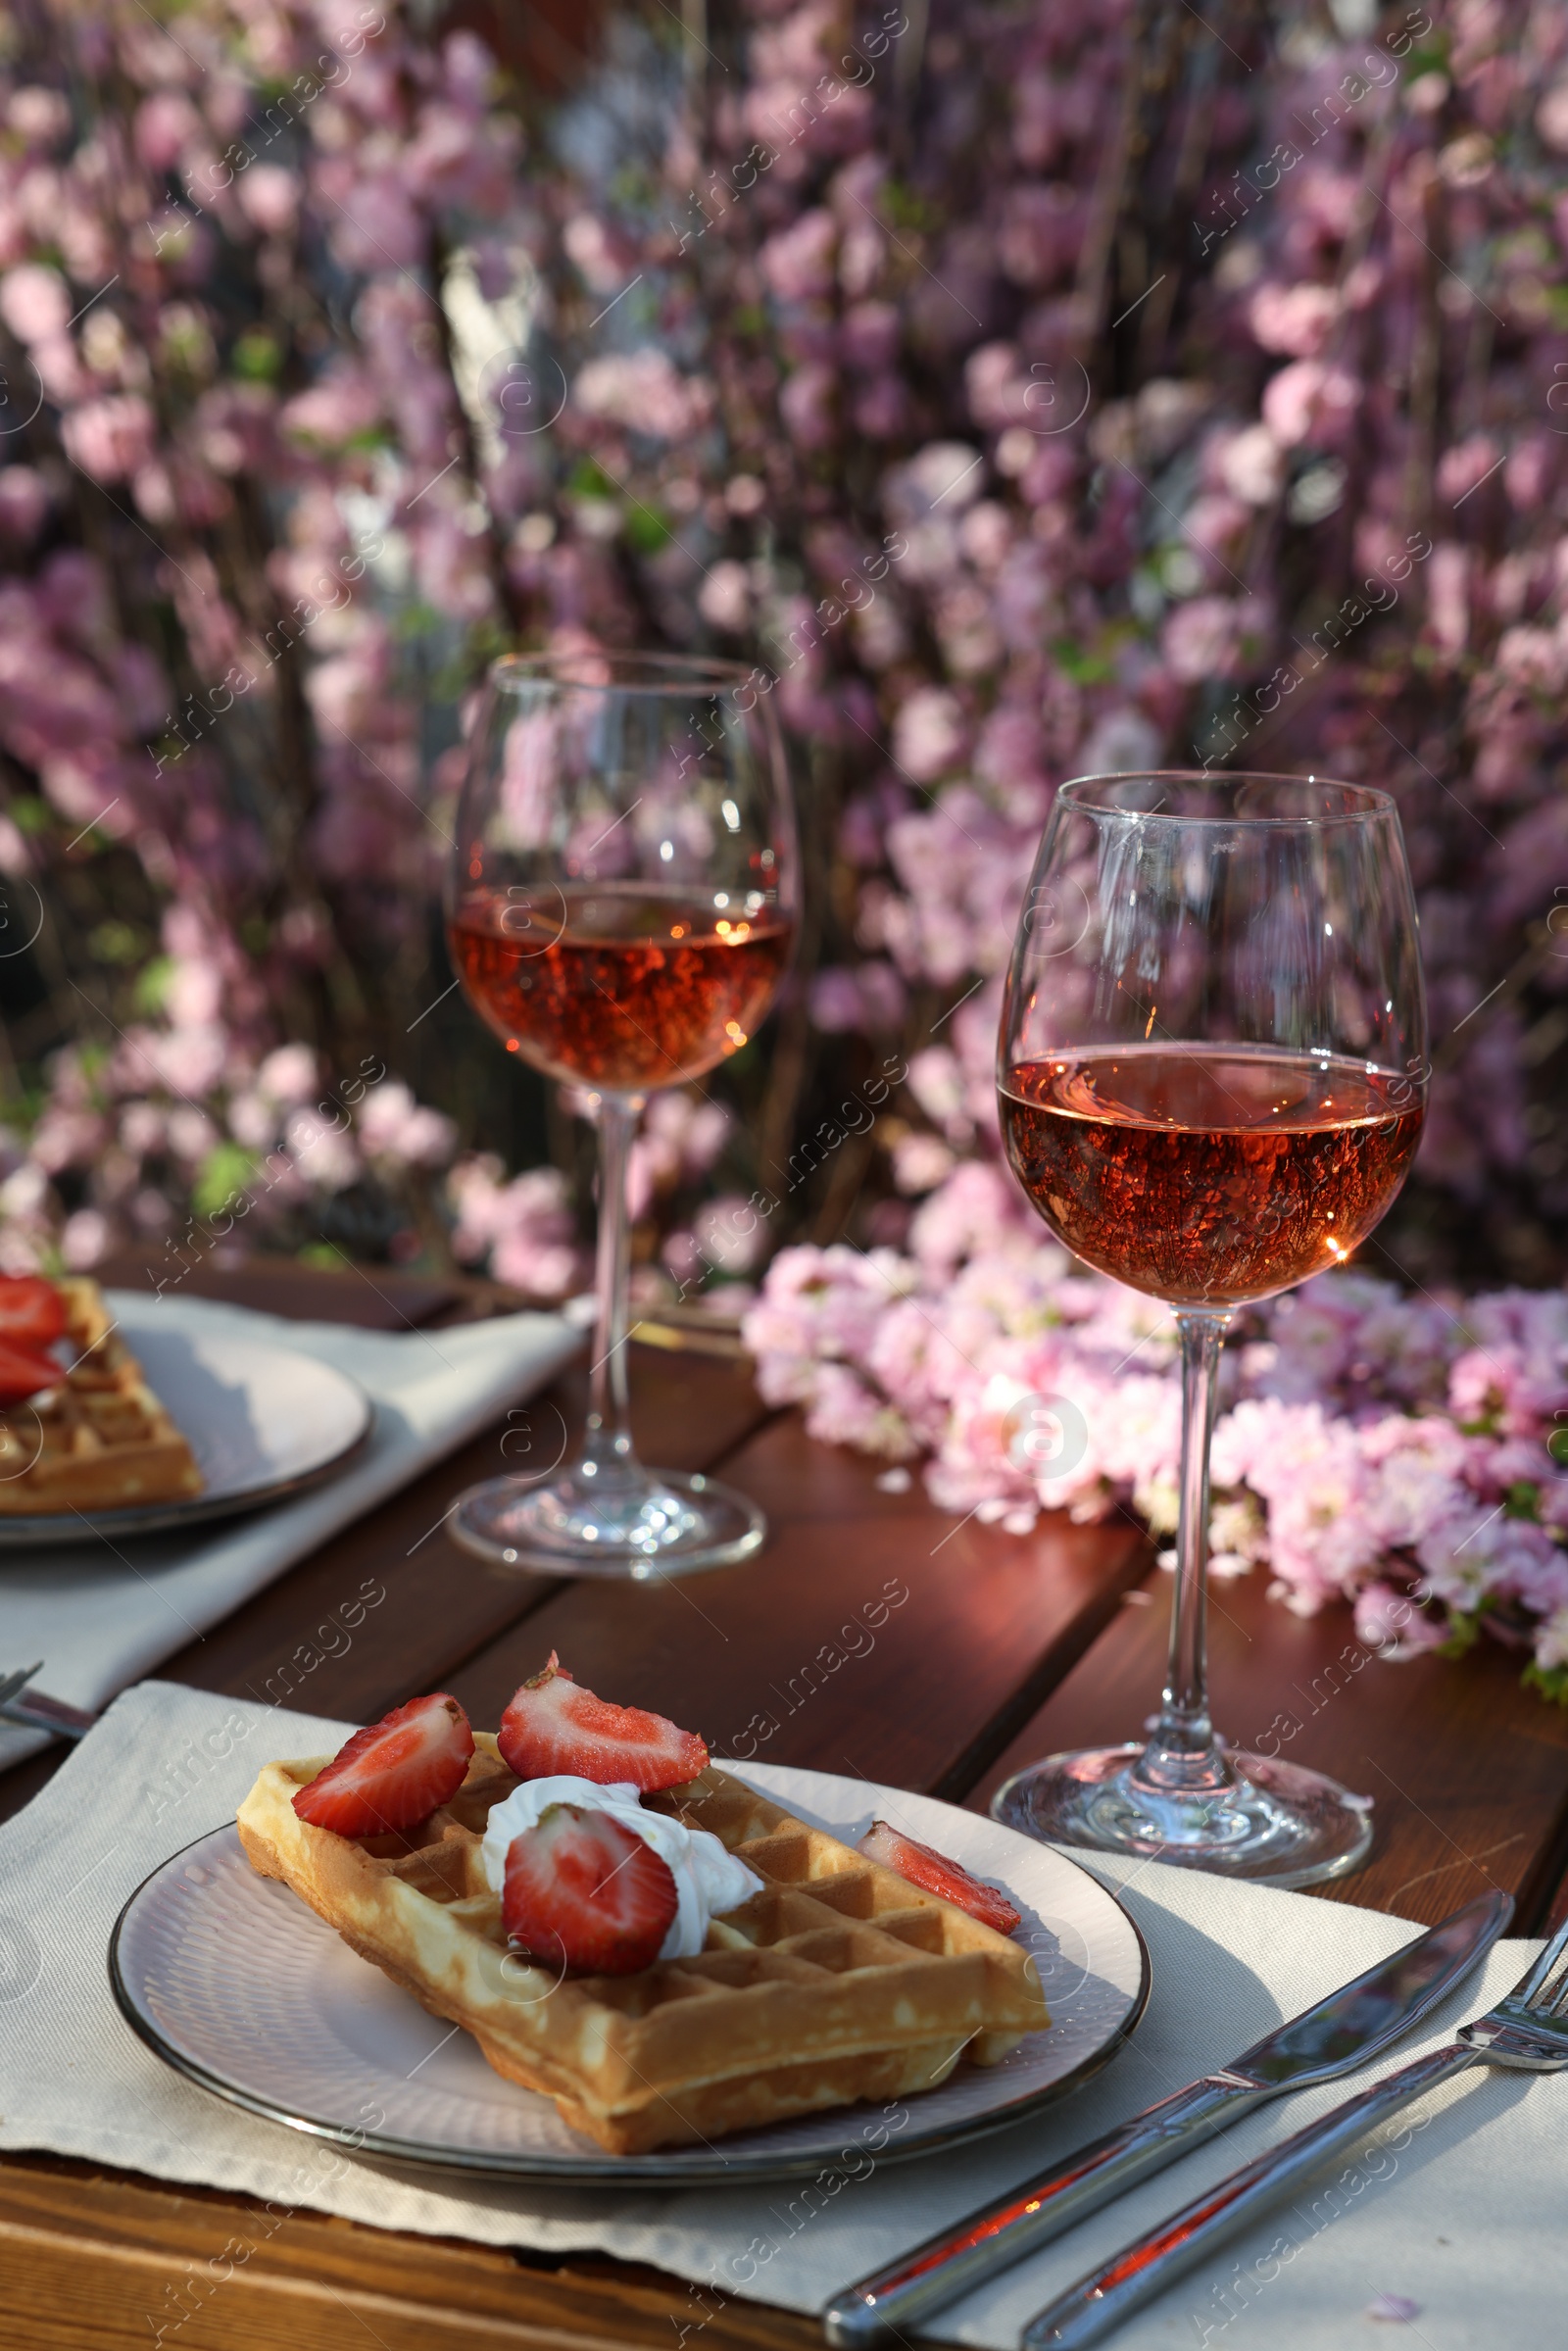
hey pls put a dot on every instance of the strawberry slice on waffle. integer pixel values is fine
(553, 1725)
(393, 1772)
(585, 1893)
(26, 1370)
(32, 1312)
(935, 1874)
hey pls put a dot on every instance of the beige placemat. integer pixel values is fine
(100, 1614)
(1464, 2218)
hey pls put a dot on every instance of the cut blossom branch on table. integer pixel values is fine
(1370, 1446)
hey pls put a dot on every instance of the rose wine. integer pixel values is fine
(621, 985)
(1208, 1175)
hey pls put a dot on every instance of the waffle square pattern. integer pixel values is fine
(101, 1440)
(838, 1982)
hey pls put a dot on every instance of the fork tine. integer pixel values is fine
(11, 1682)
(1546, 1984)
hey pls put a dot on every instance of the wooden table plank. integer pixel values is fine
(874, 1635)
(1468, 1772)
(102, 2261)
(440, 1605)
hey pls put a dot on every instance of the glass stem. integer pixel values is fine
(609, 1460)
(1183, 1752)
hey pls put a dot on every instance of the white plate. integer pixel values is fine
(263, 1421)
(233, 1982)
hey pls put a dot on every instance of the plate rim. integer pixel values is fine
(20, 1530)
(675, 2166)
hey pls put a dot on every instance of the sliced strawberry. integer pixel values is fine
(935, 1874)
(584, 1891)
(25, 1370)
(393, 1772)
(33, 1312)
(552, 1726)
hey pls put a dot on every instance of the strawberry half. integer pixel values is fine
(24, 1369)
(584, 1893)
(33, 1312)
(393, 1772)
(935, 1874)
(552, 1726)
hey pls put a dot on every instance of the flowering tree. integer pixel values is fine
(1050, 390)
(246, 519)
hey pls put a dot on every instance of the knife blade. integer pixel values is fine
(1353, 2024)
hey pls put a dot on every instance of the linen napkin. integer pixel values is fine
(1457, 2209)
(100, 1614)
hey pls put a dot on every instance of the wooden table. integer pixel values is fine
(993, 1650)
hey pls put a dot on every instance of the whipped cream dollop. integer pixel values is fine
(708, 1881)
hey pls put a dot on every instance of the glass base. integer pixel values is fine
(1254, 1818)
(654, 1523)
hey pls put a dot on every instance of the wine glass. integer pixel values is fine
(1213, 1079)
(621, 912)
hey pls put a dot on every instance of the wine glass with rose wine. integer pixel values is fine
(1213, 1074)
(621, 912)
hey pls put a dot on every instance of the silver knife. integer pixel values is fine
(1343, 2032)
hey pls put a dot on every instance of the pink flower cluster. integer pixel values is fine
(525, 1229)
(243, 272)
(1368, 1445)
(182, 1115)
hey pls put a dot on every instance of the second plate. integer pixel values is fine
(263, 1421)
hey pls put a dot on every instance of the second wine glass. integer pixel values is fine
(621, 912)
(1211, 1073)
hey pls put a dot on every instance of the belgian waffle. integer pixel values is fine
(837, 1983)
(101, 1440)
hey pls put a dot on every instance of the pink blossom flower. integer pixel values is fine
(1463, 467)
(290, 1074)
(323, 1154)
(1311, 402)
(85, 1238)
(344, 403)
(844, 1410)
(525, 1227)
(729, 1233)
(23, 504)
(253, 1121)
(1201, 639)
(39, 117)
(930, 734)
(34, 302)
(807, 404)
(191, 1134)
(167, 130)
(1295, 319)
(392, 1125)
(269, 198)
(724, 597)
(1394, 1623)
(798, 262)
(920, 1163)
(110, 438)
(595, 248)
(644, 391)
(1252, 467)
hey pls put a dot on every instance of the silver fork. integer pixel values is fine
(1528, 2030)
(38, 1711)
